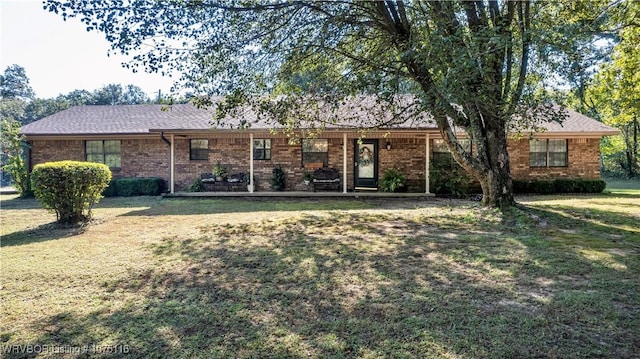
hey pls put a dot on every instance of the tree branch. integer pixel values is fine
(524, 23)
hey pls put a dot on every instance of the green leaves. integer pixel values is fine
(12, 154)
(70, 188)
(616, 95)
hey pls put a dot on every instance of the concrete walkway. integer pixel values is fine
(300, 194)
(8, 190)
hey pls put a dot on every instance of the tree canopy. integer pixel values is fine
(19, 101)
(615, 93)
(476, 65)
(14, 84)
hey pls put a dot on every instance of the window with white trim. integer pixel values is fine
(103, 151)
(548, 153)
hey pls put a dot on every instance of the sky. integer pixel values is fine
(59, 57)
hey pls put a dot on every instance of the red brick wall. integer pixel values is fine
(139, 157)
(144, 158)
(408, 156)
(48, 151)
(150, 157)
(583, 160)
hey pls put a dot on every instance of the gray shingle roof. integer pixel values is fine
(140, 119)
(579, 124)
(120, 119)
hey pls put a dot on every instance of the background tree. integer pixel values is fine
(14, 84)
(473, 65)
(12, 155)
(616, 95)
(115, 94)
(78, 97)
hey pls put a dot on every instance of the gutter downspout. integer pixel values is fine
(250, 187)
(171, 167)
(344, 163)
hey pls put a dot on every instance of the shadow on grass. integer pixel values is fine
(352, 285)
(13, 202)
(197, 206)
(42, 233)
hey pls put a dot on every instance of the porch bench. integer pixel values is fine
(326, 179)
(234, 183)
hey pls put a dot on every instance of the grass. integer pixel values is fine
(623, 186)
(557, 277)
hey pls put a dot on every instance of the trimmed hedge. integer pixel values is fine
(135, 186)
(559, 186)
(70, 188)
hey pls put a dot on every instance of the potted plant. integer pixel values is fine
(278, 179)
(308, 177)
(393, 180)
(219, 170)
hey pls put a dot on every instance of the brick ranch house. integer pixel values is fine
(179, 144)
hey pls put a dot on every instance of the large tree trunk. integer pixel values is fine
(497, 186)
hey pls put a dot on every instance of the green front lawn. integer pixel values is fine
(327, 278)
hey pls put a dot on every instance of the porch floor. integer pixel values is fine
(300, 194)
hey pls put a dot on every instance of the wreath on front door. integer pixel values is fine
(365, 157)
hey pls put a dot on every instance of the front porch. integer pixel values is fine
(359, 165)
(298, 194)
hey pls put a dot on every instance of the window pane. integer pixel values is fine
(112, 161)
(198, 154)
(309, 157)
(258, 144)
(538, 153)
(538, 146)
(558, 153)
(200, 144)
(267, 144)
(258, 154)
(466, 144)
(558, 159)
(557, 145)
(315, 145)
(111, 146)
(98, 158)
(440, 146)
(94, 147)
(443, 159)
(537, 159)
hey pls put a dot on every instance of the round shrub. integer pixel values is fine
(70, 188)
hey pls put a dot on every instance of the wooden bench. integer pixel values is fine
(326, 178)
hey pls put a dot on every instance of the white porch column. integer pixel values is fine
(426, 164)
(344, 163)
(250, 186)
(172, 176)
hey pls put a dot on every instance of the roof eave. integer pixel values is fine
(81, 136)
